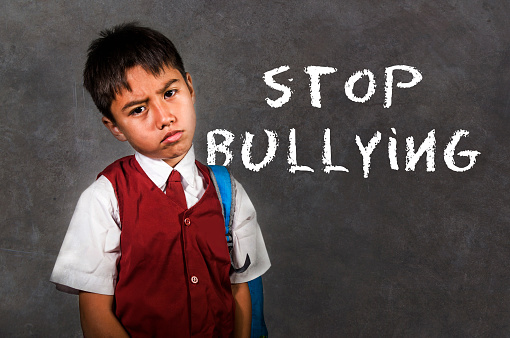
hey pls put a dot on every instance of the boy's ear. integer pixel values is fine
(112, 127)
(190, 87)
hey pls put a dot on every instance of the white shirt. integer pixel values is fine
(91, 249)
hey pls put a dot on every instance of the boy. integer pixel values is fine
(146, 249)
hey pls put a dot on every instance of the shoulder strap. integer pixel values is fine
(222, 182)
(225, 188)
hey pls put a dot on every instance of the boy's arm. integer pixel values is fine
(242, 297)
(247, 239)
(97, 317)
(91, 248)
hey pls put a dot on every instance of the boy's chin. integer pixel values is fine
(173, 158)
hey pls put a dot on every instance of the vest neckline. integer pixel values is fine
(200, 166)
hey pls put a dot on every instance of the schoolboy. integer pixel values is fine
(146, 248)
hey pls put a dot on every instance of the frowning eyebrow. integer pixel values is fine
(163, 89)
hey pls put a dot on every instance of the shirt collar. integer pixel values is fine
(158, 171)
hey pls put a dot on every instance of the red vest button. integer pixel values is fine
(187, 221)
(194, 279)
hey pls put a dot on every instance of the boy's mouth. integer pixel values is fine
(172, 136)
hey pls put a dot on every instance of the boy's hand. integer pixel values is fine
(242, 297)
(97, 317)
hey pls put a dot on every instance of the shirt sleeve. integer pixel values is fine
(247, 239)
(88, 257)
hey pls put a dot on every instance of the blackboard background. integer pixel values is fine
(397, 254)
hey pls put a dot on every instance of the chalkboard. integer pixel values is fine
(381, 217)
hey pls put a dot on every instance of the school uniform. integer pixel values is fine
(167, 265)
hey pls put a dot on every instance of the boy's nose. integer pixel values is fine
(164, 116)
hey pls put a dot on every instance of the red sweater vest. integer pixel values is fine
(173, 274)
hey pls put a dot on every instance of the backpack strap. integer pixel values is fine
(258, 324)
(222, 182)
(225, 188)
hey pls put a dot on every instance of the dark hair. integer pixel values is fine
(119, 49)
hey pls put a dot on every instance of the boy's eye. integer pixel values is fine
(170, 93)
(137, 110)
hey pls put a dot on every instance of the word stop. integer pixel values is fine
(315, 73)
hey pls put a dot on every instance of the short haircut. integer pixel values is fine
(119, 49)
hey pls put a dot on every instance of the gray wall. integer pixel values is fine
(400, 253)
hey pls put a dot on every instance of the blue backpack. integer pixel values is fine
(226, 193)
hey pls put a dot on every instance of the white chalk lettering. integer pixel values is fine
(213, 147)
(417, 77)
(367, 151)
(315, 73)
(315, 86)
(429, 146)
(292, 157)
(392, 150)
(287, 92)
(449, 151)
(326, 155)
(349, 86)
(271, 151)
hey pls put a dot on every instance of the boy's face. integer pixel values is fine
(157, 116)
